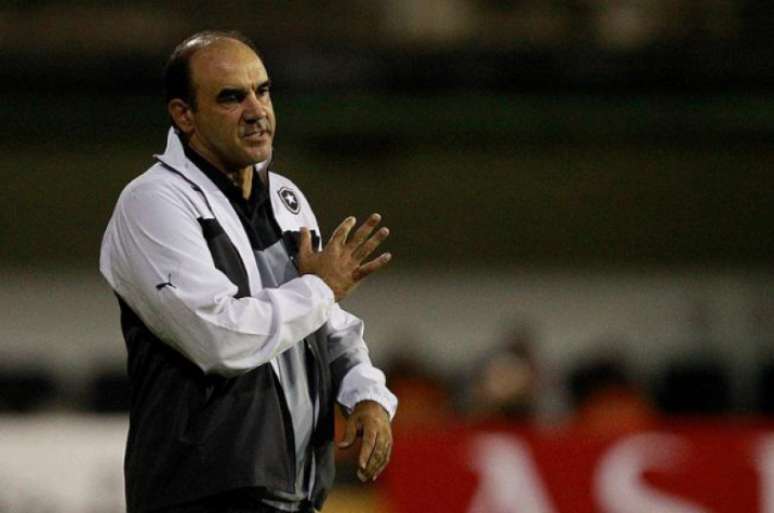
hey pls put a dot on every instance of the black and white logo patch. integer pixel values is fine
(289, 199)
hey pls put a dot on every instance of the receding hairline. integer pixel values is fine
(218, 57)
(179, 82)
(222, 45)
(208, 41)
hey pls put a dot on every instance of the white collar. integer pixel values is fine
(174, 157)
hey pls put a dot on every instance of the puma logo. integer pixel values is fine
(167, 283)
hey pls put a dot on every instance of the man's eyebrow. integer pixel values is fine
(264, 84)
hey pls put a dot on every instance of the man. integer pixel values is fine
(237, 348)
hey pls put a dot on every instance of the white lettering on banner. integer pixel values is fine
(618, 482)
(509, 481)
(765, 462)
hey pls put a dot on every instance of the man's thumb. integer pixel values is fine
(350, 434)
(304, 241)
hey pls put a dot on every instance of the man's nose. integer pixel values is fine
(255, 108)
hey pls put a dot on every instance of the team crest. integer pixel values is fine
(289, 199)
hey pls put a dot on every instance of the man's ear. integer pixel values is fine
(182, 114)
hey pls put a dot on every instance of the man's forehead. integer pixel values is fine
(226, 60)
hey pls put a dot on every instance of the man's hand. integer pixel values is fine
(371, 422)
(340, 263)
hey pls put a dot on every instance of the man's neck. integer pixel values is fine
(242, 178)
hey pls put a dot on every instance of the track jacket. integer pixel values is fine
(208, 413)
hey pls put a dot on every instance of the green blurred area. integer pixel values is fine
(461, 178)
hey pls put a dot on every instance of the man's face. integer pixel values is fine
(233, 122)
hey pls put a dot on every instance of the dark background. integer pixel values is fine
(556, 133)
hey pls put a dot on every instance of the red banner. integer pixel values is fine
(688, 468)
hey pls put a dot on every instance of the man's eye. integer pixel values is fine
(230, 97)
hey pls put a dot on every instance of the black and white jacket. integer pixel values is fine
(203, 335)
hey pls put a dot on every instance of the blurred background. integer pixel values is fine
(579, 191)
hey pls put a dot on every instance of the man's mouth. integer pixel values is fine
(256, 134)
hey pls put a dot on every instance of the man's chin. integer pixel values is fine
(259, 155)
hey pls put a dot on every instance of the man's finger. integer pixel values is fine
(339, 235)
(384, 463)
(372, 266)
(368, 247)
(378, 457)
(366, 448)
(304, 241)
(364, 230)
(350, 434)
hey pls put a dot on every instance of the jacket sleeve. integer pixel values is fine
(351, 366)
(353, 374)
(155, 257)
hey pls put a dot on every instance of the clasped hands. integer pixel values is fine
(341, 263)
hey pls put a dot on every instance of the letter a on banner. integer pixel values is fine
(509, 481)
(619, 484)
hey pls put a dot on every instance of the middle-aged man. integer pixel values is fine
(237, 348)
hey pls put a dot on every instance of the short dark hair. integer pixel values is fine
(177, 73)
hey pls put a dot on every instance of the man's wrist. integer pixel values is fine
(370, 404)
(322, 286)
